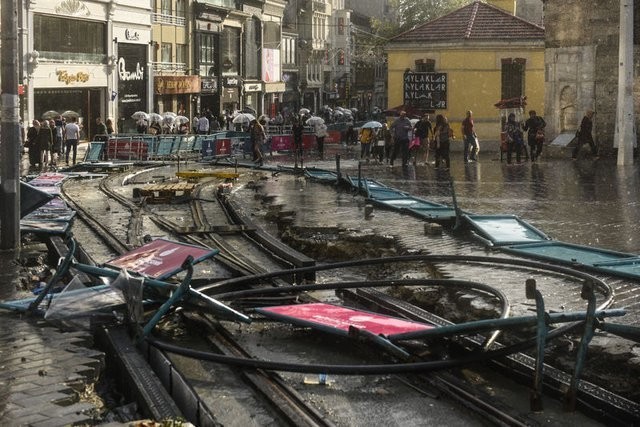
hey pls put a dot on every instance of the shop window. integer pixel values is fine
(166, 52)
(425, 65)
(207, 57)
(252, 39)
(229, 50)
(271, 35)
(513, 77)
(181, 8)
(181, 53)
(69, 39)
(166, 7)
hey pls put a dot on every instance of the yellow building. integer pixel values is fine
(480, 54)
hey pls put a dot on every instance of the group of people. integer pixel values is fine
(408, 141)
(48, 140)
(534, 126)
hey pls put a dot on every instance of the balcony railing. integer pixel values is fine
(169, 67)
(160, 18)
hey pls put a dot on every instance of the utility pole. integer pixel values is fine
(625, 120)
(9, 130)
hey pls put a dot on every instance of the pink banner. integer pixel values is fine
(160, 258)
(341, 318)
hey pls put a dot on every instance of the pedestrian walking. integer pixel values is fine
(470, 138)
(366, 138)
(101, 133)
(110, 128)
(388, 142)
(377, 150)
(203, 125)
(584, 135)
(297, 130)
(515, 141)
(422, 130)
(32, 144)
(72, 136)
(258, 138)
(534, 126)
(56, 145)
(141, 125)
(400, 130)
(45, 140)
(443, 134)
(321, 134)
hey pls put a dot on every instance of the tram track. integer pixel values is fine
(284, 402)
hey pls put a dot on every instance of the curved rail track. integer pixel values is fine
(210, 224)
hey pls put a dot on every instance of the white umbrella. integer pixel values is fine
(315, 120)
(304, 111)
(371, 125)
(339, 109)
(243, 118)
(338, 113)
(169, 118)
(70, 113)
(182, 119)
(51, 114)
(154, 117)
(414, 121)
(140, 115)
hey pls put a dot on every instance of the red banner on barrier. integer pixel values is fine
(126, 149)
(223, 146)
(281, 142)
(308, 141)
(333, 137)
(285, 142)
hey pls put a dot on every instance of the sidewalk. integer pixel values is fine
(44, 372)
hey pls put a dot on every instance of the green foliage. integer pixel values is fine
(411, 13)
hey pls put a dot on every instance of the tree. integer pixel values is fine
(411, 13)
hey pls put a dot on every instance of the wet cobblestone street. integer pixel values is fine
(585, 202)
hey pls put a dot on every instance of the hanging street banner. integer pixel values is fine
(425, 90)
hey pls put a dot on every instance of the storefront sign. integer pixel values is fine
(425, 90)
(274, 87)
(252, 87)
(208, 85)
(131, 35)
(70, 78)
(132, 83)
(169, 85)
(229, 95)
(231, 81)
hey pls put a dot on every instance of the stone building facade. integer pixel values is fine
(581, 61)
